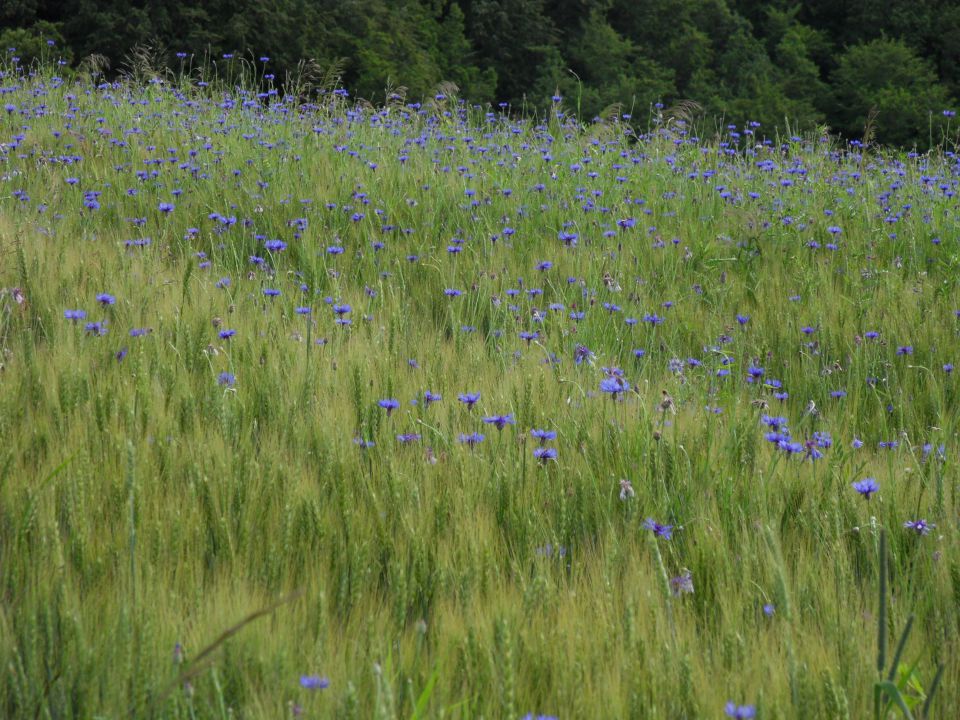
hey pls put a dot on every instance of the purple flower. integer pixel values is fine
(469, 399)
(471, 439)
(740, 712)
(682, 584)
(74, 314)
(228, 379)
(389, 404)
(543, 436)
(920, 527)
(544, 454)
(227, 334)
(581, 353)
(614, 386)
(165, 207)
(106, 299)
(769, 609)
(499, 421)
(664, 531)
(866, 487)
(314, 682)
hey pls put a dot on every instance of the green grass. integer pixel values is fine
(142, 504)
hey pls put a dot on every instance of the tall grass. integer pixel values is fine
(151, 505)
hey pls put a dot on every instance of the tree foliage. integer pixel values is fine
(819, 61)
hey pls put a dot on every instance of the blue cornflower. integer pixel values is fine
(581, 353)
(664, 531)
(614, 386)
(228, 379)
(866, 487)
(74, 314)
(543, 436)
(389, 404)
(227, 334)
(314, 682)
(469, 399)
(499, 421)
(471, 439)
(544, 454)
(430, 397)
(166, 207)
(920, 527)
(106, 299)
(271, 292)
(740, 712)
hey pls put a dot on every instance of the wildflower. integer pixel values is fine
(96, 328)
(389, 404)
(314, 682)
(544, 454)
(543, 436)
(471, 439)
(227, 379)
(271, 292)
(106, 299)
(740, 712)
(405, 438)
(614, 386)
(581, 353)
(866, 487)
(227, 334)
(626, 489)
(429, 397)
(469, 399)
(920, 527)
(682, 584)
(499, 421)
(165, 207)
(905, 350)
(769, 609)
(363, 444)
(664, 531)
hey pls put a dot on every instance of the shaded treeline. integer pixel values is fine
(892, 67)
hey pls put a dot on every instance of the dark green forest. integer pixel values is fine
(891, 68)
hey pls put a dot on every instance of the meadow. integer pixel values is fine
(310, 408)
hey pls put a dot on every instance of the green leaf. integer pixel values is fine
(896, 698)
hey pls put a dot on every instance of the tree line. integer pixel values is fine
(890, 69)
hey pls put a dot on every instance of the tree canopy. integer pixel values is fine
(889, 68)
